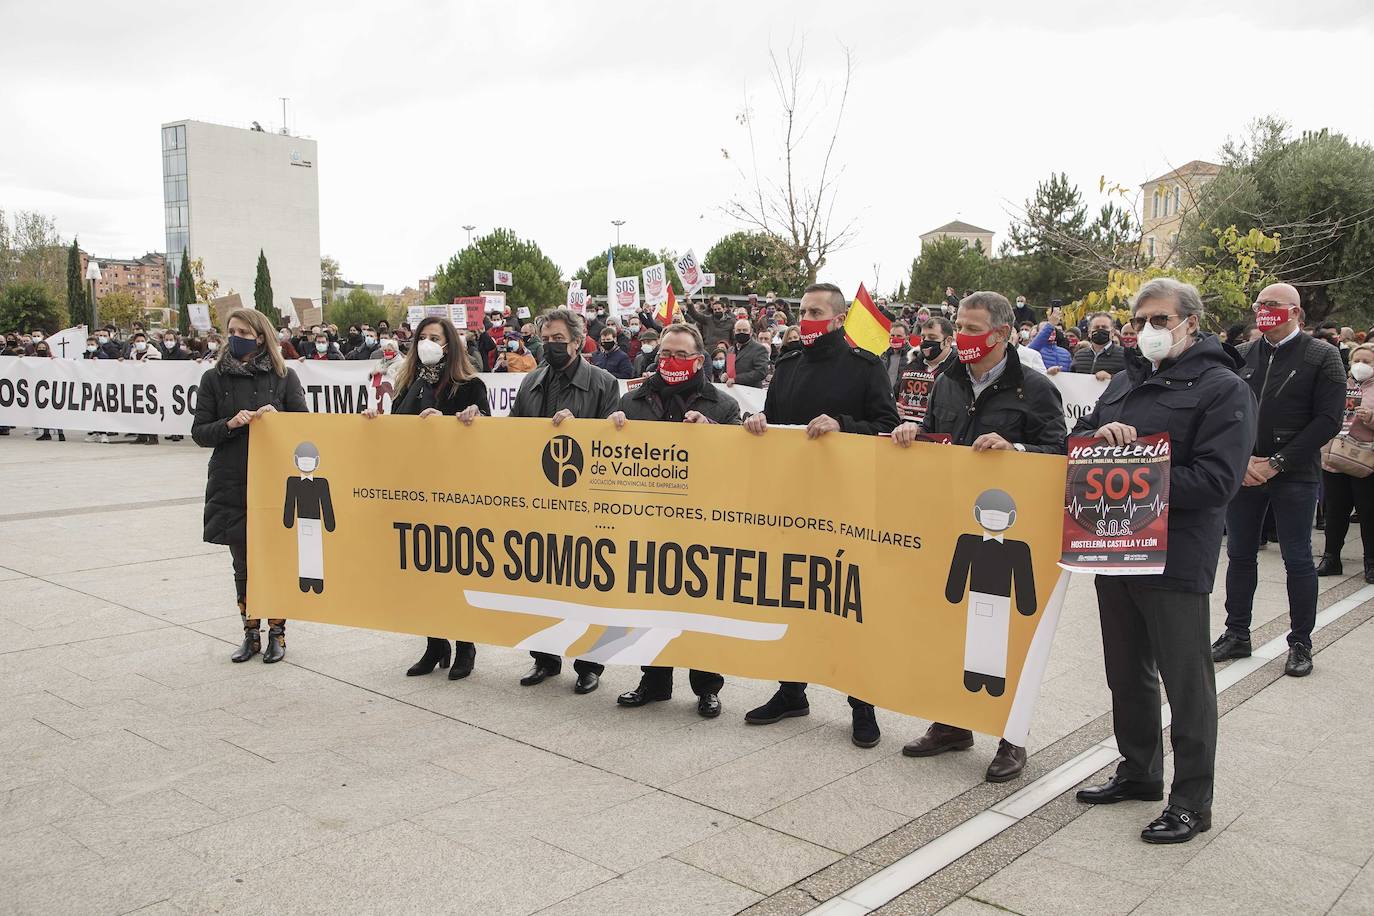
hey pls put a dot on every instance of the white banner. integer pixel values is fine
(159, 397)
(502, 278)
(655, 285)
(1080, 392)
(68, 344)
(689, 272)
(626, 295)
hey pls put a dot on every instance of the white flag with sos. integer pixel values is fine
(655, 284)
(690, 273)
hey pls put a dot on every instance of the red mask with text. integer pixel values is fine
(811, 331)
(972, 347)
(1270, 316)
(897, 342)
(675, 370)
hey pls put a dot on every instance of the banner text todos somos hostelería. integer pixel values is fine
(675, 544)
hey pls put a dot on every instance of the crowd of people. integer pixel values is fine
(1254, 417)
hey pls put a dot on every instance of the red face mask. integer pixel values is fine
(972, 347)
(1269, 317)
(897, 342)
(675, 370)
(811, 331)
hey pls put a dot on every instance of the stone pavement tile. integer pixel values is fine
(103, 691)
(240, 782)
(1171, 899)
(120, 765)
(38, 804)
(111, 540)
(1358, 897)
(759, 782)
(758, 858)
(239, 844)
(36, 853)
(1034, 885)
(498, 762)
(1106, 840)
(1298, 881)
(843, 818)
(364, 799)
(671, 757)
(637, 832)
(913, 786)
(28, 743)
(7, 575)
(296, 887)
(837, 877)
(176, 590)
(916, 834)
(665, 887)
(137, 821)
(964, 906)
(136, 878)
(1312, 820)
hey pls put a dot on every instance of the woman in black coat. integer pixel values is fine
(248, 380)
(437, 380)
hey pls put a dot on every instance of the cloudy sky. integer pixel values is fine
(555, 118)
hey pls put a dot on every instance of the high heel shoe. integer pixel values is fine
(436, 653)
(464, 657)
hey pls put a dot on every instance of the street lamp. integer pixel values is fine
(92, 275)
(469, 229)
(617, 223)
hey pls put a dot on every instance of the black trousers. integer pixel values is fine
(238, 553)
(555, 663)
(658, 681)
(1340, 494)
(796, 690)
(1147, 633)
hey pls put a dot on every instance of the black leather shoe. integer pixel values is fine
(1117, 789)
(252, 645)
(938, 739)
(464, 657)
(275, 650)
(538, 674)
(1176, 825)
(436, 655)
(639, 697)
(1299, 662)
(866, 732)
(1330, 566)
(708, 707)
(779, 707)
(1229, 646)
(1007, 763)
(1369, 572)
(587, 682)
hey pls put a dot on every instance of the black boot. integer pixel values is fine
(1330, 565)
(61, 436)
(45, 437)
(252, 638)
(276, 643)
(1369, 571)
(464, 657)
(436, 653)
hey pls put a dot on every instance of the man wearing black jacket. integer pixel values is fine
(1299, 383)
(988, 401)
(1183, 383)
(1101, 357)
(831, 388)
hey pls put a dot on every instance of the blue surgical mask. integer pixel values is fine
(718, 363)
(242, 346)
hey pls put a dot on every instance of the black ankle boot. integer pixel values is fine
(464, 657)
(1369, 571)
(252, 645)
(1330, 565)
(276, 644)
(436, 653)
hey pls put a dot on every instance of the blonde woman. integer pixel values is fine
(247, 379)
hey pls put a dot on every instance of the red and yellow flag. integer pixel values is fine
(668, 309)
(866, 326)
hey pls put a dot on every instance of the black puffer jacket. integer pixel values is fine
(1022, 407)
(647, 402)
(227, 387)
(1210, 414)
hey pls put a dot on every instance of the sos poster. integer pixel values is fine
(1116, 506)
(913, 393)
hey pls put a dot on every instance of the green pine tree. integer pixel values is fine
(186, 294)
(262, 291)
(78, 308)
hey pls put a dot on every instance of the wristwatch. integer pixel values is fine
(1018, 446)
(1276, 462)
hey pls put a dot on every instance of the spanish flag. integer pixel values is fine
(668, 309)
(866, 326)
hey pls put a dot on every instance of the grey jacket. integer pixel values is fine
(593, 393)
(751, 364)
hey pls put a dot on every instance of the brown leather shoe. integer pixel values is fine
(938, 739)
(1007, 764)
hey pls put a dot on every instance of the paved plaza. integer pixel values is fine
(143, 772)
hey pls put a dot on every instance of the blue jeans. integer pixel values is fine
(1294, 503)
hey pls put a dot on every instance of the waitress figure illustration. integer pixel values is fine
(308, 506)
(989, 566)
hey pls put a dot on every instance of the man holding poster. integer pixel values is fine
(1185, 384)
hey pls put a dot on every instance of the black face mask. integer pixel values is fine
(557, 354)
(742, 339)
(931, 348)
(355, 336)
(608, 344)
(1100, 337)
(790, 346)
(527, 337)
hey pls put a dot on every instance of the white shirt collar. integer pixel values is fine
(1296, 331)
(993, 537)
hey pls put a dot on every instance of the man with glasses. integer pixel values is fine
(1299, 382)
(1183, 383)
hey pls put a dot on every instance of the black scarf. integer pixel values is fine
(431, 374)
(259, 361)
(676, 399)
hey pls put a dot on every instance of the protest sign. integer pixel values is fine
(1116, 506)
(502, 278)
(495, 301)
(574, 283)
(577, 300)
(299, 305)
(522, 312)
(708, 280)
(68, 344)
(1079, 392)
(913, 393)
(470, 311)
(223, 306)
(689, 272)
(414, 315)
(629, 547)
(199, 313)
(626, 295)
(655, 284)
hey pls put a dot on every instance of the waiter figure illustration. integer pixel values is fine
(307, 507)
(988, 565)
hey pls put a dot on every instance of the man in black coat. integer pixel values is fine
(1299, 383)
(751, 358)
(679, 392)
(1101, 357)
(1183, 383)
(830, 387)
(988, 401)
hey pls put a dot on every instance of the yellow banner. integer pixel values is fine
(917, 579)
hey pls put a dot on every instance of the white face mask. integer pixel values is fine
(307, 465)
(1361, 372)
(994, 520)
(1157, 345)
(429, 352)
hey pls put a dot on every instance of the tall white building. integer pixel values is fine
(230, 192)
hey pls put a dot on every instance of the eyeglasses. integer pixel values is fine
(1158, 322)
(677, 354)
(1270, 303)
